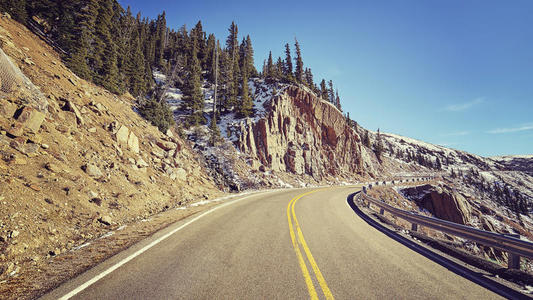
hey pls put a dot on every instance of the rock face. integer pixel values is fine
(442, 203)
(127, 138)
(302, 134)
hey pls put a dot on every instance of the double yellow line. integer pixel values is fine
(301, 261)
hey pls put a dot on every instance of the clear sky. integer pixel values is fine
(458, 73)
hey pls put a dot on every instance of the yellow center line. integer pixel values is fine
(303, 267)
(314, 265)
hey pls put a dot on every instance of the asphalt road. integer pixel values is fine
(258, 249)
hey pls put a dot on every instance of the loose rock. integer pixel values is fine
(167, 146)
(106, 220)
(92, 170)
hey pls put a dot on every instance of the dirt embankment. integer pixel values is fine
(75, 161)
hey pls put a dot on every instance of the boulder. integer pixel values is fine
(92, 171)
(141, 163)
(167, 146)
(181, 174)
(16, 129)
(97, 107)
(31, 118)
(157, 152)
(7, 109)
(31, 149)
(443, 203)
(169, 133)
(122, 135)
(69, 106)
(62, 128)
(133, 143)
(18, 143)
(53, 167)
(106, 220)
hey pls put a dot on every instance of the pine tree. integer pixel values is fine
(438, 165)
(210, 60)
(135, 65)
(64, 33)
(378, 146)
(105, 55)
(246, 104)
(252, 72)
(337, 100)
(236, 82)
(299, 71)
(323, 90)
(121, 30)
(214, 131)
(288, 64)
(232, 48)
(194, 98)
(366, 139)
(46, 9)
(158, 113)
(198, 34)
(278, 69)
(83, 28)
(160, 35)
(231, 41)
(331, 94)
(309, 78)
(269, 67)
(16, 8)
(226, 78)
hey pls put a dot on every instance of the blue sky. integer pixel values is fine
(454, 72)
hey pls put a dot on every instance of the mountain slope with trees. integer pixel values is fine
(104, 43)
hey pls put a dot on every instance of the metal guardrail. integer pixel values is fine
(513, 245)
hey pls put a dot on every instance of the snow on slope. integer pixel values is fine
(449, 158)
(511, 157)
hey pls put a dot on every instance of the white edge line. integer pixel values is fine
(142, 250)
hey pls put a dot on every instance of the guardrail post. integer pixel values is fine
(414, 227)
(513, 260)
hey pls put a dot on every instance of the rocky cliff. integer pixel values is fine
(304, 135)
(441, 202)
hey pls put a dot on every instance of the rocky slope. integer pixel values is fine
(494, 194)
(75, 160)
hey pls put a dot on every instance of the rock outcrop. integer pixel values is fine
(443, 203)
(302, 134)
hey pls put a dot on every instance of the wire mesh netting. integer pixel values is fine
(12, 80)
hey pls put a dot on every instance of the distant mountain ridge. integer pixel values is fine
(522, 163)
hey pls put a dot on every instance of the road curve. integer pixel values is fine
(291, 244)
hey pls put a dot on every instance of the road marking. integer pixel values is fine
(303, 267)
(142, 250)
(320, 278)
